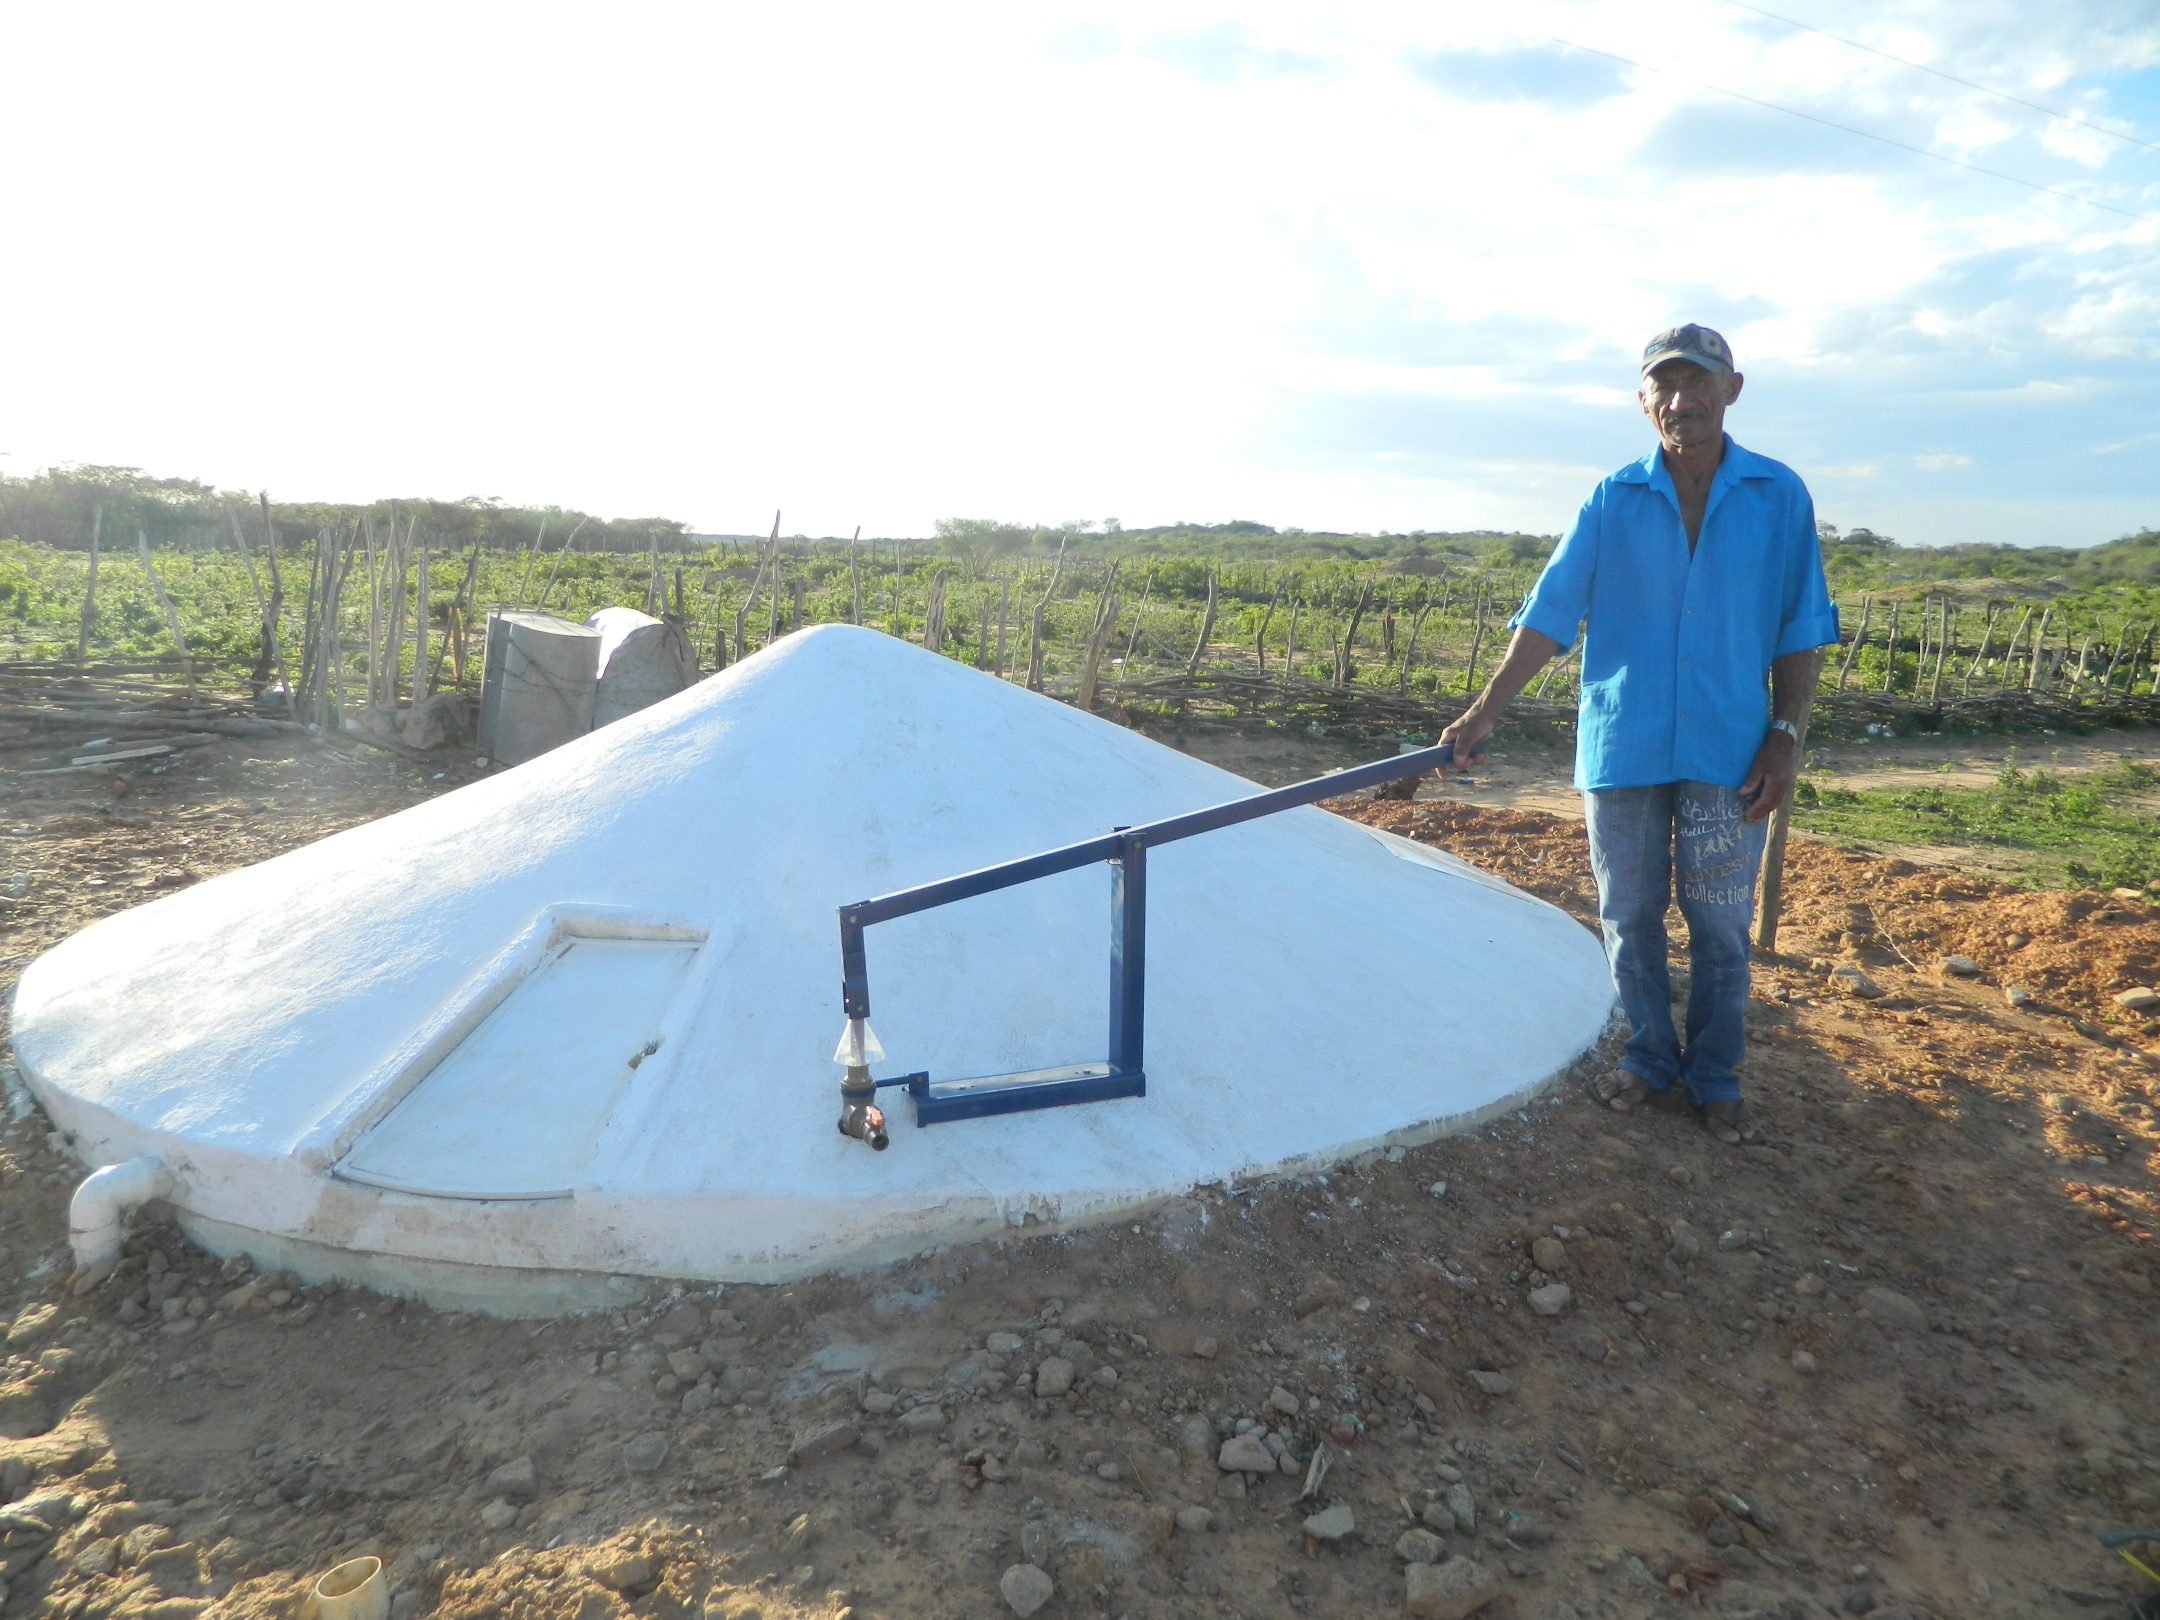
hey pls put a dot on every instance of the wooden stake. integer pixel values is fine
(532, 557)
(308, 623)
(1260, 640)
(2009, 662)
(1207, 629)
(1035, 622)
(765, 562)
(172, 614)
(1105, 622)
(1987, 634)
(271, 614)
(933, 624)
(453, 637)
(2039, 646)
(1477, 639)
(422, 608)
(1417, 628)
(1771, 894)
(1342, 655)
(89, 601)
(1867, 609)
(1132, 642)
(374, 617)
(541, 605)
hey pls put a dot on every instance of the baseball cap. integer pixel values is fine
(1694, 343)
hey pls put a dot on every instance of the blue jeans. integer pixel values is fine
(1640, 840)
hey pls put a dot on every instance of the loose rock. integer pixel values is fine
(1245, 1454)
(622, 1571)
(1283, 1401)
(2140, 999)
(499, 1514)
(1025, 1589)
(1195, 1521)
(1552, 1299)
(1205, 1347)
(1448, 1591)
(1898, 1310)
(1965, 968)
(1196, 1439)
(1802, 1362)
(515, 1480)
(1549, 1254)
(829, 1439)
(1853, 982)
(1463, 1506)
(1053, 1378)
(1003, 1344)
(922, 1420)
(1491, 1383)
(1527, 1530)
(1419, 1547)
(1331, 1524)
(646, 1453)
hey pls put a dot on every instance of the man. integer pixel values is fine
(1694, 573)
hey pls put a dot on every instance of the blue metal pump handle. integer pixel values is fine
(1124, 850)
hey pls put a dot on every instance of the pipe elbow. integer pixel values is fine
(97, 1215)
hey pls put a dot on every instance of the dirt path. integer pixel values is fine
(1913, 1334)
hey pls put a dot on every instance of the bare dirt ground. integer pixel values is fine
(1898, 1361)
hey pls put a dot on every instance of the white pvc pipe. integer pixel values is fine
(96, 1223)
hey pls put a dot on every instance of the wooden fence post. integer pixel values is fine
(1105, 622)
(89, 601)
(1035, 622)
(422, 607)
(1207, 628)
(1477, 639)
(1987, 634)
(1867, 609)
(172, 614)
(1417, 628)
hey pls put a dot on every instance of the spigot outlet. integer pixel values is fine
(860, 1116)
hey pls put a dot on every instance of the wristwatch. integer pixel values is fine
(1788, 728)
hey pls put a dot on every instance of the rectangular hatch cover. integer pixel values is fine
(516, 1107)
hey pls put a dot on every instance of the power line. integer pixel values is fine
(1870, 135)
(1922, 67)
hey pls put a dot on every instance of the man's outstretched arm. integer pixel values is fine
(1528, 652)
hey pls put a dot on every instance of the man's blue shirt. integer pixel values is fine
(1677, 650)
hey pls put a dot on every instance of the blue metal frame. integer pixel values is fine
(1124, 850)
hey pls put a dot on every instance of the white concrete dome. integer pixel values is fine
(575, 1022)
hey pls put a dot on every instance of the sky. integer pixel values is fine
(1354, 267)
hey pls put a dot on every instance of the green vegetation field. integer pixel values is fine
(1422, 613)
(2096, 830)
